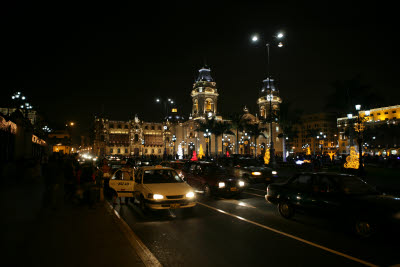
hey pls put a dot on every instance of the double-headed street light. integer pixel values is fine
(277, 38)
(20, 102)
(167, 103)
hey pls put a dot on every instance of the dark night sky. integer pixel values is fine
(72, 61)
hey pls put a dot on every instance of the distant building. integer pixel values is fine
(316, 131)
(31, 114)
(381, 135)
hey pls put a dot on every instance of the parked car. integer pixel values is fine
(249, 169)
(158, 187)
(212, 179)
(339, 195)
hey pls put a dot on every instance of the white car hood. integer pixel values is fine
(169, 189)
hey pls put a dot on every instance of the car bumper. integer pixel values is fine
(271, 199)
(228, 191)
(176, 204)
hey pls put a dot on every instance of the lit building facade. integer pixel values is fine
(381, 134)
(316, 133)
(177, 136)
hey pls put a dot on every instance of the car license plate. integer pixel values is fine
(175, 206)
(268, 179)
(233, 189)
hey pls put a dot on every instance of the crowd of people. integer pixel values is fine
(66, 180)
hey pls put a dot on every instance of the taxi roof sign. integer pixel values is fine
(159, 166)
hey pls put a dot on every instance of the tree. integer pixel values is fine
(207, 126)
(313, 133)
(237, 124)
(255, 130)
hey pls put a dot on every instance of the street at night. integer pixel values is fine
(248, 231)
(200, 133)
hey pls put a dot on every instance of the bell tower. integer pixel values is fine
(269, 99)
(204, 95)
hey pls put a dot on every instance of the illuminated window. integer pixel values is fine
(159, 151)
(208, 105)
(145, 151)
(262, 111)
(195, 106)
(152, 151)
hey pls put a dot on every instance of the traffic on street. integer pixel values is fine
(246, 230)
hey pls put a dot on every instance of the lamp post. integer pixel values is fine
(173, 142)
(255, 38)
(360, 128)
(20, 102)
(167, 103)
(207, 137)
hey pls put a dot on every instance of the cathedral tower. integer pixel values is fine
(204, 95)
(269, 99)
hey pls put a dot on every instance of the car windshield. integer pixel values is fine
(213, 169)
(354, 186)
(161, 177)
(248, 163)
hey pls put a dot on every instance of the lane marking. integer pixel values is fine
(254, 194)
(237, 202)
(292, 236)
(143, 252)
(265, 191)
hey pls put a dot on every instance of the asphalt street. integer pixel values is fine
(248, 231)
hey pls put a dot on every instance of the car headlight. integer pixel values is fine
(274, 172)
(241, 183)
(256, 173)
(158, 196)
(221, 184)
(181, 175)
(190, 195)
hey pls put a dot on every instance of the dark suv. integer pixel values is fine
(212, 179)
(249, 169)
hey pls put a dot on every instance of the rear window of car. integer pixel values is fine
(160, 177)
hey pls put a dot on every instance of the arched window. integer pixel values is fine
(195, 106)
(208, 105)
(262, 111)
(136, 137)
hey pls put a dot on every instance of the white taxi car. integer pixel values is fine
(122, 183)
(158, 187)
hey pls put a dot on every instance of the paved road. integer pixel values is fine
(247, 231)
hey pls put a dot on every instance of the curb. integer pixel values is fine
(143, 252)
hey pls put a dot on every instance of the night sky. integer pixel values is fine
(73, 61)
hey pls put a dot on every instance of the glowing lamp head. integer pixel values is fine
(358, 107)
(280, 35)
(349, 116)
(254, 38)
(280, 44)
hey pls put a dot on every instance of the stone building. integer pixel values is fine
(178, 136)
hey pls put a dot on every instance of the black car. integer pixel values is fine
(212, 179)
(339, 195)
(249, 169)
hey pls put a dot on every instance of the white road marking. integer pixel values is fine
(265, 191)
(254, 194)
(292, 236)
(237, 202)
(144, 253)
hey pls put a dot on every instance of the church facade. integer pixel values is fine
(176, 136)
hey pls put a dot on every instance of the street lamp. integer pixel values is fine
(167, 103)
(255, 38)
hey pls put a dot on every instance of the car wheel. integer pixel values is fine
(285, 209)
(363, 228)
(207, 190)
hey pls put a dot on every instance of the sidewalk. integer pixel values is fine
(70, 236)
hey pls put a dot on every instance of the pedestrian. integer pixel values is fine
(87, 183)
